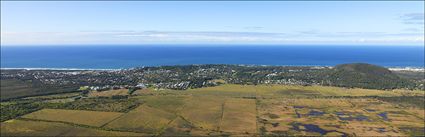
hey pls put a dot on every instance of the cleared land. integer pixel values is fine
(240, 110)
(204, 112)
(172, 104)
(40, 128)
(143, 119)
(239, 116)
(91, 118)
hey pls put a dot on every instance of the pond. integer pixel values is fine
(315, 113)
(383, 115)
(349, 117)
(313, 128)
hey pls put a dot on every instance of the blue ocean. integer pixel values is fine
(129, 56)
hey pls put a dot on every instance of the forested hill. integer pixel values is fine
(366, 76)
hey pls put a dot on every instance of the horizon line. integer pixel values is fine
(115, 69)
(207, 44)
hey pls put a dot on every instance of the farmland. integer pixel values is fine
(90, 118)
(243, 110)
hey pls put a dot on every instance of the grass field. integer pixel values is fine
(231, 90)
(239, 110)
(204, 112)
(143, 119)
(108, 93)
(40, 128)
(172, 104)
(239, 116)
(91, 118)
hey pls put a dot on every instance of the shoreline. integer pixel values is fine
(409, 68)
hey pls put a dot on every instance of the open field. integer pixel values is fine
(239, 116)
(172, 104)
(40, 128)
(143, 119)
(240, 110)
(90, 118)
(233, 90)
(204, 112)
(108, 93)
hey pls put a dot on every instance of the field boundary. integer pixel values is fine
(78, 125)
(112, 120)
(222, 115)
(176, 113)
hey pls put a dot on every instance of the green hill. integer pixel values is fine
(364, 75)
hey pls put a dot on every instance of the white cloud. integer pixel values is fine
(157, 37)
(414, 18)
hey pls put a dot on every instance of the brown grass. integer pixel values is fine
(91, 118)
(143, 119)
(239, 116)
(204, 112)
(40, 128)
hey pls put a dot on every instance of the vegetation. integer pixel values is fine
(13, 110)
(239, 117)
(14, 88)
(229, 109)
(408, 101)
(143, 119)
(90, 118)
(23, 83)
(366, 76)
(41, 128)
(99, 104)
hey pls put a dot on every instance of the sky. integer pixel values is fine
(212, 22)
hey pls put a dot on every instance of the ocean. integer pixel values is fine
(129, 56)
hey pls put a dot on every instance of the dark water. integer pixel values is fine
(120, 56)
(350, 117)
(383, 115)
(313, 128)
(315, 113)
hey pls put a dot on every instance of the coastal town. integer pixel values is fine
(184, 77)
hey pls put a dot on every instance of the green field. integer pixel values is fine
(239, 110)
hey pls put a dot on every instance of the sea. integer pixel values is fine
(130, 56)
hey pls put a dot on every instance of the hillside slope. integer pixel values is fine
(364, 75)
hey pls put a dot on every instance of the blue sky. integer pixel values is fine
(237, 22)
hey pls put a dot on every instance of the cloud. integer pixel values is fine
(413, 18)
(253, 27)
(183, 37)
(413, 30)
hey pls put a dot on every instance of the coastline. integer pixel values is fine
(408, 68)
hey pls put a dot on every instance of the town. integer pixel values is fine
(184, 77)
